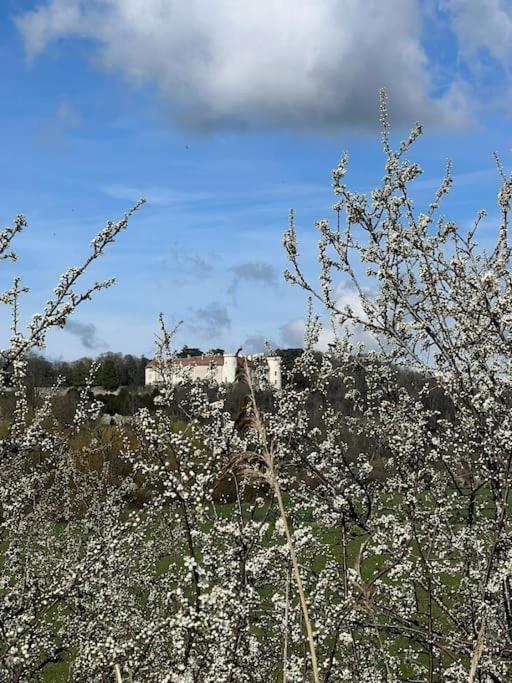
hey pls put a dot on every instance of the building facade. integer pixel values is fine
(222, 368)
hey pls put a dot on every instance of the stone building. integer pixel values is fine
(223, 368)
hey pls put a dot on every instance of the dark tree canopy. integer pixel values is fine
(215, 352)
(187, 351)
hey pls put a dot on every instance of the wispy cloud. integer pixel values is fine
(180, 266)
(481, 25)
(166, 196)
(87, 333)
(210, 321)
(52, 134)
(466, 179)
(157, 195)
(252, 272)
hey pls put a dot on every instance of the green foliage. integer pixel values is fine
(80, 372)
(108, 375)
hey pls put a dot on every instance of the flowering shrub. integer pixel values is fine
(329, 572)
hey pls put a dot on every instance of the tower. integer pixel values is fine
(274, 371)
(230, 366)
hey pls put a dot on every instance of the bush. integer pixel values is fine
(340, 529)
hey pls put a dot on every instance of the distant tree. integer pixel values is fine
(141, 379)
(187, 351)
(109, 376)
(130, 370)
(80, 371)
(40, 371)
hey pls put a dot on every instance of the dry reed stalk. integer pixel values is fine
(286, 617)
(248, 464)
(298, 580)
(477, 652)
(117, 672)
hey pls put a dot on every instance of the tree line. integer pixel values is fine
(115, 369)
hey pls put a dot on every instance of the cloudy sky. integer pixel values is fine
(224, 114)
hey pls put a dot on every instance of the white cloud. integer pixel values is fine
(55, 19)
(292, 333)
(257, 344)
(240, 63)
(347, 295)
(481, 24)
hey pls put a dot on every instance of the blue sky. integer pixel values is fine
(224, 120)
